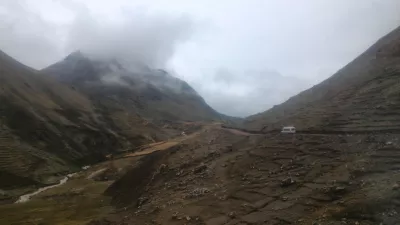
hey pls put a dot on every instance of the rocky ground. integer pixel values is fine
(228, 177)
(219, 176)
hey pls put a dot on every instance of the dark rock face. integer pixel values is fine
(360, 97)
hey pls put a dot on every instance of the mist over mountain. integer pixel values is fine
(138, 37)
(308, 41)
(152, 93)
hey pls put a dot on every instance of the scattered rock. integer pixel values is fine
(337, 189)
(175, 215)
(197, 192)
(232, 214)
(179, 173)
(162, 168)
(200, 169)
(141, 201)
(392, 213)
(85, 167)
(396, 186)
(287, 182)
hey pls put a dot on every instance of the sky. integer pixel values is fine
(243, 57)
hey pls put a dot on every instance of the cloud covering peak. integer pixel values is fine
(142, 37)
(305, 41)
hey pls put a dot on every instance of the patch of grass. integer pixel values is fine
(77, 202)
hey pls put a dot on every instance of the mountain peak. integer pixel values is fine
(152, 93)
(77, 55)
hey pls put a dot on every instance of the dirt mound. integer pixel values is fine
(129, 188)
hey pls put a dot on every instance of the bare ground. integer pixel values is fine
(219, 176)
(224, 177)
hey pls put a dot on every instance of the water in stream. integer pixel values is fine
(27, 197)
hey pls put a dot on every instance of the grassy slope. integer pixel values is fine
(48, 129)
(75, 203)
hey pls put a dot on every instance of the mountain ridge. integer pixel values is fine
(48, 129)
(152, 93)
(326, 105)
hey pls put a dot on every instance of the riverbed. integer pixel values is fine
(27, 197)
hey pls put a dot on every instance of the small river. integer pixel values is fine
(27, 197)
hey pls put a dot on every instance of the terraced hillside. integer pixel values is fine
(48, 129)
(153, 94)
(363, 96)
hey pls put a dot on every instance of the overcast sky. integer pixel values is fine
(241, 56)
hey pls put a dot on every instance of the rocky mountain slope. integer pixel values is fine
(48, 129)
(363, 96)
(153, 94)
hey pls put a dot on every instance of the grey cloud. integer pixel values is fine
(305, 40)
(244, 93)
(137, 37)
(26, 36)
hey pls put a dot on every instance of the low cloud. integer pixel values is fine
(245, 93)
(150, 39)
(26, 36)
(135, 35)
(305, 40)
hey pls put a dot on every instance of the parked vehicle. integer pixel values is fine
(288, 130)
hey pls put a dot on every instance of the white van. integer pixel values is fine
(288, 130)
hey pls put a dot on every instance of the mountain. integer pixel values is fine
(363, 96)
(49, 129)
(153, 94)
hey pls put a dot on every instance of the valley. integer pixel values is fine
(91, 141)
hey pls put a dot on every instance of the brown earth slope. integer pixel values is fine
(363, 96)
(223, 177)
(48, 129)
